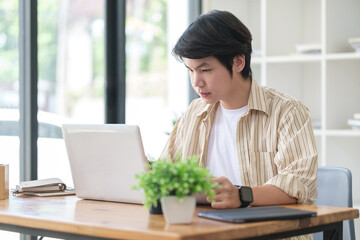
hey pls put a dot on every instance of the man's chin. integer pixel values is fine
(208, 101)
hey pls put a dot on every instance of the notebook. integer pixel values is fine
(104, 160)
(253, 214)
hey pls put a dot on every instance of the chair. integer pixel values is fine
(335, 189)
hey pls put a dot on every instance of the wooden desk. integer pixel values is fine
(72, 218)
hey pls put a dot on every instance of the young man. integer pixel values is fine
(246, 134)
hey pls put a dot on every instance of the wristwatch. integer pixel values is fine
(245, 195)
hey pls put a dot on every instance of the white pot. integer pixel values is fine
(178, 211)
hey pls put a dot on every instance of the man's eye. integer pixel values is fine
(206, 70)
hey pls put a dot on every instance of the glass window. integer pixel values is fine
(71, 76)
(9, 94)
(156, 92)
(9, 87)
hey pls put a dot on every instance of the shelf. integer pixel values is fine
(327, 82)
(337, 133)
(343, 56)
(342, 133)
(294, 58)
(305, 58)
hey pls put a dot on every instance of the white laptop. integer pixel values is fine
(104, 160)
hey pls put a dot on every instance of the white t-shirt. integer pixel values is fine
(222, 158)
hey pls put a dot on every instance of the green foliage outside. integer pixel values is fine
(48, 16)
(181, 178)
(150, 21)
(47, 39)
(48, 24)
(155, 59)
(153, 24)
(9, 41)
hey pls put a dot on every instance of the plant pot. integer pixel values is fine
(157, 209)
(178, 211)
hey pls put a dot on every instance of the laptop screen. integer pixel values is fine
(104, 160)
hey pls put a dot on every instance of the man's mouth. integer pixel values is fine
(204, 94)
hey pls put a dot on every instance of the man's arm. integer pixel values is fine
(227, 196)
(270, 195)
(296, 156)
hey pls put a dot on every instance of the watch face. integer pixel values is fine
(246, 194)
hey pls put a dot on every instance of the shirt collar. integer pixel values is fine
(257, 98)
(205, 113)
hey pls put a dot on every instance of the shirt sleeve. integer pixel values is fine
(296, 158)
(174, 142)
(184, 135)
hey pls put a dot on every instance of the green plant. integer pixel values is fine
(180, 178)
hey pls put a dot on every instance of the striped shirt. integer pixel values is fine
(275, 142)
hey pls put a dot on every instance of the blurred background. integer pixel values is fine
(71, 74)
(306, 48)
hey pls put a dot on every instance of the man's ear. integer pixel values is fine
(238, 63)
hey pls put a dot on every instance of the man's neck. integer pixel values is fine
(239, 96)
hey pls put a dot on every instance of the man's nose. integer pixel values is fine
(197, 80)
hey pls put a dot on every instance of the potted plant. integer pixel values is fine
(174, 184)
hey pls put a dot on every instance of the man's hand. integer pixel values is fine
(227, 196)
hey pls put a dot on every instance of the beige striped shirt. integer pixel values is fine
(275, 142)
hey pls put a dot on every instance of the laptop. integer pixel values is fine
(254, 214)
(104, 160)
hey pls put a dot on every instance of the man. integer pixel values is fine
(246, 134)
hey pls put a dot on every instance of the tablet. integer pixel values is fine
(254, 214)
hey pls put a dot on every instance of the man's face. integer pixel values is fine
(210, 79)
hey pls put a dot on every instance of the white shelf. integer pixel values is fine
(337, 133)
(343, 133)
(343, 56)
(294, 58)
(305, 58)
(328, 83)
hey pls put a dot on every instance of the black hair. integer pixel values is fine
(219, 34)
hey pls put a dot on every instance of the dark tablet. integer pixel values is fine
(253, 214)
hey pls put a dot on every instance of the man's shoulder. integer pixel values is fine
(280, 98)
(282, 104)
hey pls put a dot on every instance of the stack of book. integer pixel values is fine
(43, 188)
(308, 48)
(355, 122)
